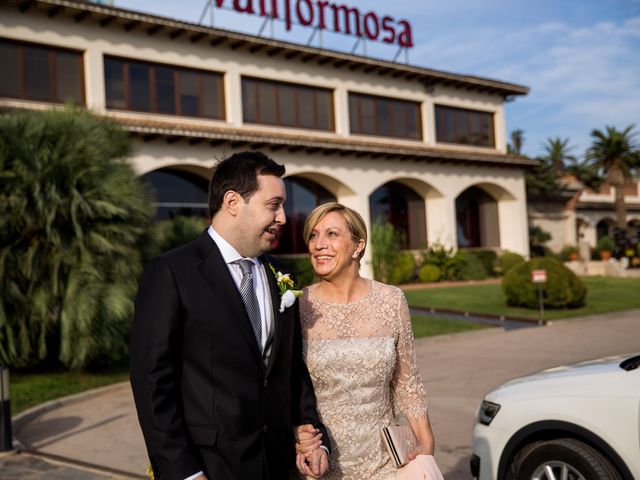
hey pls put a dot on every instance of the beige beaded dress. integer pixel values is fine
(362, 362)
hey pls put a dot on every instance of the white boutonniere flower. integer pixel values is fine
(288, 293)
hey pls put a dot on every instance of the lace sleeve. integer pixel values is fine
(406, 385)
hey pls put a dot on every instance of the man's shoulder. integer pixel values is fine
(196, 249)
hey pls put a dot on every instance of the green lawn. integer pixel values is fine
(30, 389)
(424, 326)
(603, 295)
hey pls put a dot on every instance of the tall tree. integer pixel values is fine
(517, 141)
(615, 156)
(71, 213)
(557, 154)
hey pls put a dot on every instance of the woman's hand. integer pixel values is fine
(424, 448)
(308, 439)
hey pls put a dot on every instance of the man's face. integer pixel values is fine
(261, 216)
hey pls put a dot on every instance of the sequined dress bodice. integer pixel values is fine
(362, 362)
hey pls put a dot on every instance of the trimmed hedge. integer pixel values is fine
(429, 273)
(488, 259)
(563, 288)
(507, 261)
(403, 269)
(471, 267)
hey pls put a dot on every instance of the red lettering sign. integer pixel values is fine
(323, 14)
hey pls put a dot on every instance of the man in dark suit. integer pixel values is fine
(216, 364)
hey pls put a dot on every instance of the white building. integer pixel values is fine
(425, 149)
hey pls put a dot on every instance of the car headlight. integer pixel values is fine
(486, 413)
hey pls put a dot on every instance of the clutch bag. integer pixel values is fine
(399, 440)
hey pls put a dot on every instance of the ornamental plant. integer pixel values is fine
(72, 212)
(563, 288)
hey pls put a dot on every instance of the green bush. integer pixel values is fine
(429, 273)
(444, 258)
(403, 269)
(385, 247)
(301, 269)
(563, 288)
(169, 234)
(488, 259)
(72, 215)
(471, 267)
(507, 261)
(566, 252)
(605, 243)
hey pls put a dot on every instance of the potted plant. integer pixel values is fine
(605, 247)
(569, 253)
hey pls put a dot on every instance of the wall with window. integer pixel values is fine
(163, 76)
(40, 72)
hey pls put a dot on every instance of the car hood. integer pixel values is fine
(599, 377)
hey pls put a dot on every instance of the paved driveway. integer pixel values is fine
(458, 370)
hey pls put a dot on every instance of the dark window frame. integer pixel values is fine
(462, 131)
(153, 103)
(52, 67)
(355, 101)
(297, 87)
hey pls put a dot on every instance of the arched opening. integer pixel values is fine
(303, 195)
(403, 208)
(477, 219)
(604, 228)
(177, 192)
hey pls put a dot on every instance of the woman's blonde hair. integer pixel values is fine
(354, 222)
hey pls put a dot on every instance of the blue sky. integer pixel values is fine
(580, 58)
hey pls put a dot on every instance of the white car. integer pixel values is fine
(566, 423)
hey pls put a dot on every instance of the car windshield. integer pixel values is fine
(631, 363)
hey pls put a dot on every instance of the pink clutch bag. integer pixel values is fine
(399, 440)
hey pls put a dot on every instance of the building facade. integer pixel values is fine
(420, 148)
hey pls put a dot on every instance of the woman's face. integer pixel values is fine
(332, 248)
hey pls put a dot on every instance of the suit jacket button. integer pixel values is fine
(266, 382)
(264, 428)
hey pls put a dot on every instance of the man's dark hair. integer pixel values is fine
(239, 173)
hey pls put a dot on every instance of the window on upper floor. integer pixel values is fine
(157, 88)
(462, 126)
(386, 117)
(40, 72)
(286, 104)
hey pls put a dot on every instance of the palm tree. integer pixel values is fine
(615, 156)
(517, 140)
(71, 213)
(557, 154)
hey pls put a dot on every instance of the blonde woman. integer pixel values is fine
(358, 346)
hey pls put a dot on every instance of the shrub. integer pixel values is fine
(448, 263)
(471, 267)
(72, 213)
(301, 269)
(567, 252)
(385, 247)
(507, 261)
(429, 273)
(488, 259)
(563, 288)
(403, 269)
(169, 234)
(606, 243)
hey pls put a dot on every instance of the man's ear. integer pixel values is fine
(231, 202)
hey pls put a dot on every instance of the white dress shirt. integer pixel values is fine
(260, 285)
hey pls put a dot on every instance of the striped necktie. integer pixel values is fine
(248, 294)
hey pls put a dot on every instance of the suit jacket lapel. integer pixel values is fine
(277, 321)
(216, 272)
